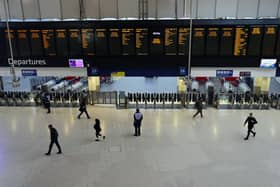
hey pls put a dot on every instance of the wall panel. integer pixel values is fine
(247, 8)
(128, 8)
(91, 9)
(166, 8)
(15, 9)
(50, 9)
(108, 8)
(206, 8)
(226, 8)
(268, 8)
(31, 9)
(70, 9)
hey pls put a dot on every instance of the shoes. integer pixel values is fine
(104, 137)
(135, 135)
(97, 140)
(88, 117)
(245, 138)
(47, 154)
(59, 152)
(254, 134)
(78, 117)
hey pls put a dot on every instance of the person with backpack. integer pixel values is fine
(97, 129)
(251, 122)
(138, 117)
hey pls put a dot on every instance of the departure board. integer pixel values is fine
(198, 41)
(23, 43)
(114, 41)
(49, 42)
(128, 41)
(87, 42)
(241, 41)
(278, 45)
(170, 41)
(61, 42)
(269, 39)
(156, 41)
(75, 42)
(101, 41)
(212, 41)
(226, 41)
(255, 41)
(13, 41)
(36, 42)
(183, 41)
(141, 41)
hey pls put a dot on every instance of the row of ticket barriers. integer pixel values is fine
(144, 100)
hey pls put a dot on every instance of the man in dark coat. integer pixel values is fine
(54, 139)
(48, 102)
(83, 107)
(251, 122)
(138, 117)
(98, 129)
(198, 106)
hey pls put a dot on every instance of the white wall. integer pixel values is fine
(129, 8)
(142, 84)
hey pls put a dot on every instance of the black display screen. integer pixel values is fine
(170, 41)
(101, 42)
(241, 41)
(36, 42)
(23, 43)
(61, 42)
(269, 39)
(128, 41)
(141, 41)
(87, 42)
(13, 43)
(75, 42)
(255, 41)
(226, 42)
(183, 41)
(198, 43)
(114, 41)
(212, 41)
(49, 42)
(156, 41)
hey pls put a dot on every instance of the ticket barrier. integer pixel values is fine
(16, 99)
(192, 97)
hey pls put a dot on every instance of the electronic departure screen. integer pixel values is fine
(198, 42)
(170, 41)
(101, 41)
(255, 41)
(156, 42)
(241, 41)
(87, 42)
(61, 42)
(36, 42)
(212, 41)
(141, 41)
(23, 43)
(115, 41)
(128, 41)
(48, 42)
(13, 41)
(269, 39)
(75, 42)
(226, 41)
(183, 41)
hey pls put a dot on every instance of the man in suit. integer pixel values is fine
(138, 117)
(251, 122)
(54, 139)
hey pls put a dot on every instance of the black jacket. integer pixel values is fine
(97, 126)
(251, 121)
(53, 133)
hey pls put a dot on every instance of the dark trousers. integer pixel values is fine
(55, 141)
(48, 106)
(84, 111)
(137, 127)
(97, 134)
(197, 112)
(250, 131)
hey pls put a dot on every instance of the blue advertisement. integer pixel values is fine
(278, 70)
(224, 73)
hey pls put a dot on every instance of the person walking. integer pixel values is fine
(138, 117)
(251, 122)
(98, 129)
(198, 106)
(54, 140)
(83, 107)
(48, 102)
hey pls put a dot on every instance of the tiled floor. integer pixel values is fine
(174, 151)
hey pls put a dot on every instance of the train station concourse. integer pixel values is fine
(139, 93)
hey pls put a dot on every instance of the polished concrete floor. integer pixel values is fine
(173, 151)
